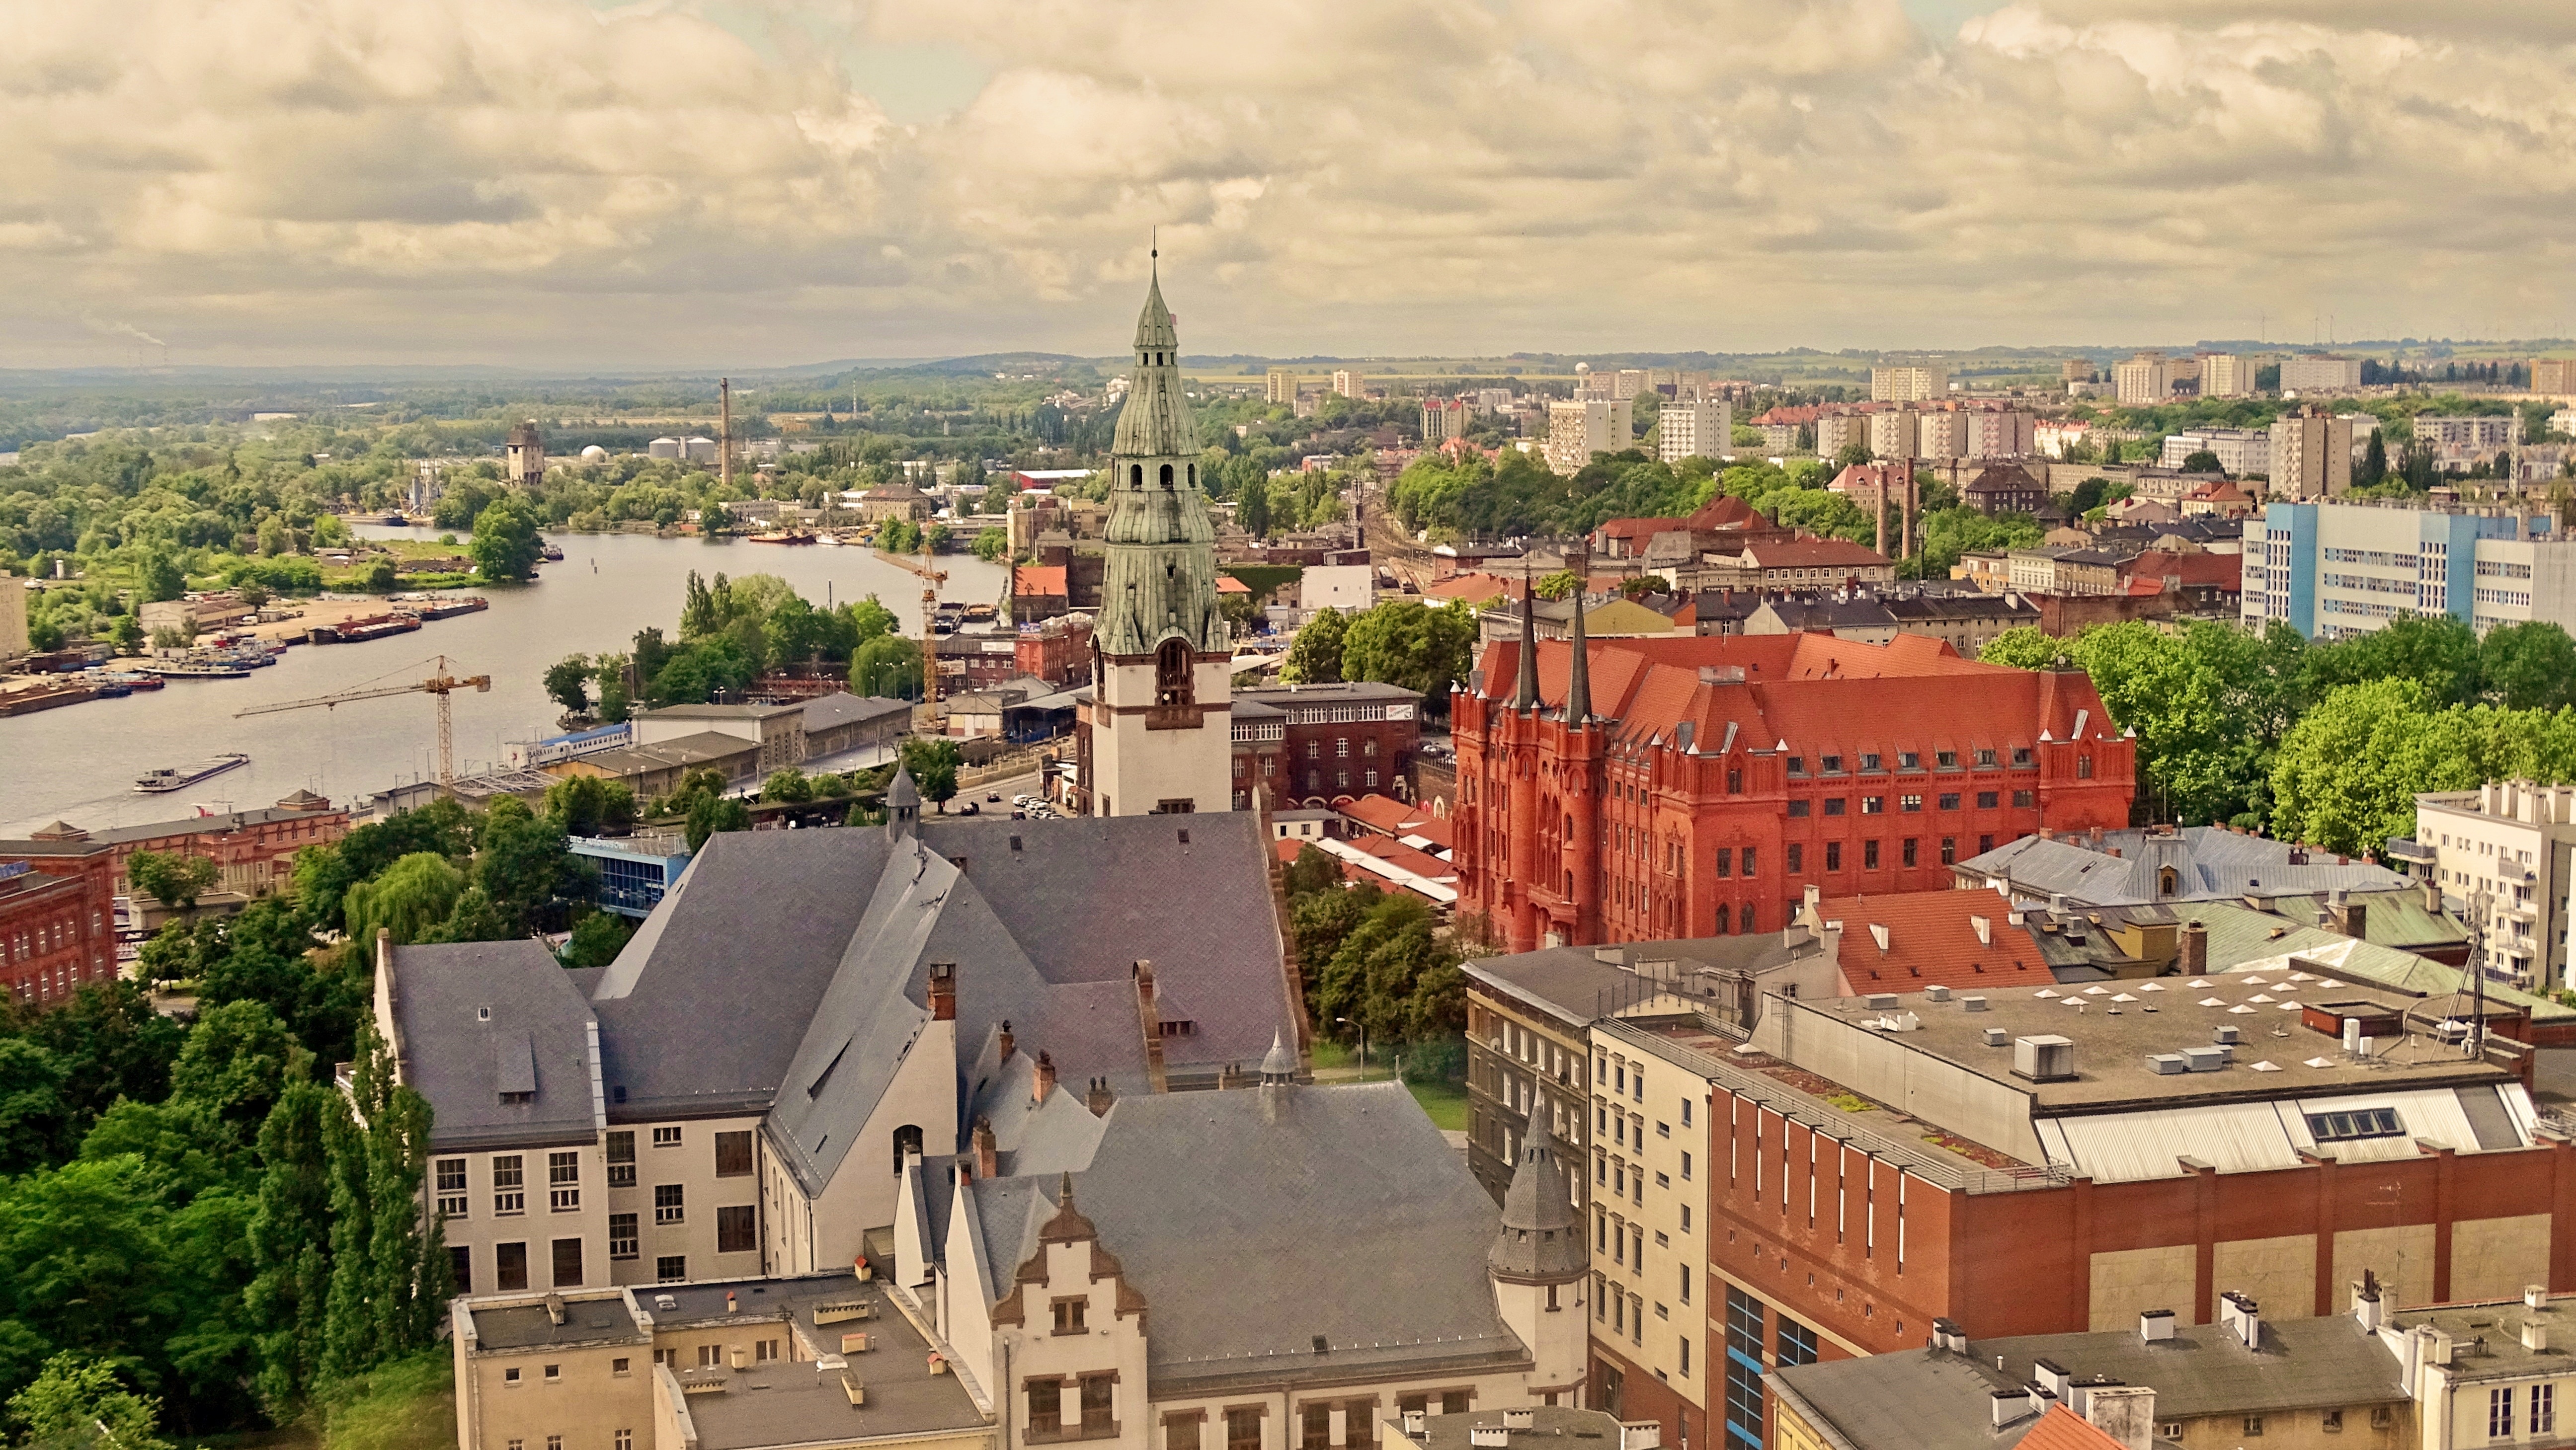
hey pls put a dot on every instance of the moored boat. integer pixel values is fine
(179, 777)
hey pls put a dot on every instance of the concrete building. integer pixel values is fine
(635, 872)
(2226, 375)
(1347, 384)
(1965, 622)
(2144, 379)
(1281, 386)
(2240, 451)
(1894, 435)
(1577, 430)
(1837, 431)
(2319, 373)
(2311, 456)
(2554, 377)
(2464, 438)
(1694, 427)
(1821, 757)
(1908, 384)
(13, 615)
(778, 730)
(1155, 733)
(2336, 569)
(1444, 419)
(1997, 433)
(525, 456)
(2507, 851)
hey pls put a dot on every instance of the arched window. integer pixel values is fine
(1172, 671)
(1721, 920)
(907, 1139)
(2166, 880)
(2084, 767)
(1167, 475)
(1194, 475)
(1136, 475)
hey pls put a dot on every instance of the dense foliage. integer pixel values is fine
(1373, 959)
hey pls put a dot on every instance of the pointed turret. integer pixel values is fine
(1279, 1066)
(903, 804)
(1578, 679)
(1526, 697)
(1541, 1240)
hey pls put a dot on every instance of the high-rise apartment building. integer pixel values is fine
(2331, 570)
(1908, 384)
(2553, 375)
(1941, 435)
(2240, 450)
(1444, 419)
(1838, 431)
(1577, 430)
(2508, 850)
(1893, 434)
(1282, 386)
(1490, 401)
(2317, 372)
(1627, 382)
(1998, 434)
(1346, 384)
(2311, 456)
(1694, 427)
(2144, 379)
(2225, 375)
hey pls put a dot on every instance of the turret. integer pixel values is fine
(903, 805)
(1539, 1264)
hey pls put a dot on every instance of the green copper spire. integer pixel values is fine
(1161, 574)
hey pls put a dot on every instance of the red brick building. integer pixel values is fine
(1325, 745)
(1057, 650)
(1700, 784)
(57, 926)
(253, 851)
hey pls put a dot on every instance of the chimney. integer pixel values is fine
(988, 1152)
(1098, 1098)
(1009, 1043)
(2155, 1324)
(2052, 1377)
(2347, 915)
(943, 991)
(2010, 1405)
(2126, 1413)
(1046, 1076)
(2195, 949)
(2535, 1296)
(2242, 1318)
(2367, 1309)
(1985, 929)
(2535, 1335)
(1230, 1076)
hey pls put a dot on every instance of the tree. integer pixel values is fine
(78, 1400)
(413, 896)
(568, 683)
(252, 592)
(2373, 468)
(585, 805)
(1315, 869)
(2201, 460)
(1315, 655)
(1407, 642)
(933, 762)
(934, 540)
(173, 878)
(869, 619)
(711, 815)
(1252, 506)
(2530, 666)
(525, 867)
(991, 544)
(888, 666)
(389, 1280)
(596, 940)
(379, 577)
(506, 547)
(127, 634)
(234, 1065)
(158, 577)
(899, 536)
(615, 699)
(787, 784)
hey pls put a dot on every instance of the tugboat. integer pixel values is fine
(179, 777)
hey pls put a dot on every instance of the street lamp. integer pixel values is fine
(1363, 1027)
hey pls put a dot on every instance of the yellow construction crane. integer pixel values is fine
(931, 580)
(441, 684)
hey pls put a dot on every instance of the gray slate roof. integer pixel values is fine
(536, 1039)
(841, 708)
(1578, 986)
(2213, 864)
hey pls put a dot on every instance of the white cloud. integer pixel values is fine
(536, 181)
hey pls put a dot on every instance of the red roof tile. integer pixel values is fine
(1038, 579)
(1725, 511)
(1811, 554)
(2224, 570)
(1474, 588)
(1932, 938)
(1396, 819)
(2063, 1429)
(1228, 584)
(1639, 528)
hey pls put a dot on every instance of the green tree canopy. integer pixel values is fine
(506, 547)
(568, 682)
(1315, 655)
(933, 761)
(887, 666)
(1409, 643)
(173, 878)
(411, 899)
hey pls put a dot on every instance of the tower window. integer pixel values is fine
(1172, 659)
(1167, 475)
(1136, 475)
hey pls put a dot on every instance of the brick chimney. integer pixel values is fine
(1099, 1097)
(2195, 949)
(1046, 1076)
(2346, 915)
(1010, 1044)
(1231, 1076)
(943, 991)
(988, 1156)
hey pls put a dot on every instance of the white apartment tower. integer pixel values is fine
(1694, 427)
(2226, 375)
(1346, 383)
(2146, 378)
(1893, 434)
(1577, 430)
(1281, 387)
(2509, 844)
(1908, 384)
(1162, 713)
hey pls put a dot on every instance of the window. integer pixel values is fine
(737, 1229)
(2544, 1409)
(554, 1374)
(1243, 1429)
(510, 1377)
(1181, 1432)
(460, 1263)
(666, 1137)
(1799, 810)
(1725, 861)
(1908, 854)
(1833, 765)
(1833, 855)
(1909, 803)
(1683, 1274)
(509, 1187)
(1949, 800)
(1748, 870)
(622, 1239)
(1686, 1122)
(1069, 1315)
(733, 1155)
(1686, 1162)
(1686, 1353)
(509, 1267)
(1985, 844)
(668, 1206)
(1987, 800)
(1315, 1425)
(1947, 759)
(1869, 855)
(671, 1268)
(1797, 858)
(1949, 850)
(621, 1367)
(1797, 765)
(451, 1187)
(2254, 1423)
(2021, 755)
(563, 1182)
(1097, 1403)
(1046, 1406)
(625, 1438)
(1985, 759)
(2356, 1124)
(1873, 805)
(1796, 1344)
(621, 1159)
(1908, 760)
(1743, 1371)
(1836, 805)
(567, 1263)
(1685, 1218)
(2024, 799)
(1870, 762)
(2084, 767)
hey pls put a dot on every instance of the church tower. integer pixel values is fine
(1162, 716)
(1539, 1266)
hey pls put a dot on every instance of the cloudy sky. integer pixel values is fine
(744, 183)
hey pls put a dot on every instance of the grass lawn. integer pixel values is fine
(1445, 1102)
(407, 1405)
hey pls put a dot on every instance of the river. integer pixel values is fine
(79, 762)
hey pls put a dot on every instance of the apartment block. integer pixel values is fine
(2463, 439)
(2318, 372)
(1490, 401)
(1444, 419)
(2311, 456)
(1694, 427)
(1941, 435)
(1347, 384)
(1908, 384)
(1992, 433)
(2554, 376)
(1628, 383)
(1893, 434)
(1655, 1337)
(2226, 375)
(2241, 451)
(1577, 430)
(2507, 849)
(1281, 386)
(1838, 431)
(2331, 570)
(2143, 379)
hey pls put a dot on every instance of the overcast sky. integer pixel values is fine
(737, 183)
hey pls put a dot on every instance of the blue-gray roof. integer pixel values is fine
(2210, 863)
(477, 1020)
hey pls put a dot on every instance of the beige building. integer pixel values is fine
(1998, 434)
(1650, 1198)
(2143, 379)
(1281, 386)
(13, 615)
(2316, 372)
(2553, 376)
(1893, 434)
(779, 730)
(2311, 456)
(1838, 431)
(1577, 430)
(1347, 384)
(2226, 375)
(2511, 845)
(1694, 427)
(1908, 384)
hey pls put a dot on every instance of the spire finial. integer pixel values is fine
(1526, 697)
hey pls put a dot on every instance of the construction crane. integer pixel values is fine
(931, 580)
(442, 684)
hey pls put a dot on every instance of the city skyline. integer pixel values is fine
(550, 185)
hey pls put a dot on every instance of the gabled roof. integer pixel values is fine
(2209, 863)
(1932, 939)
(1725, 512)
(1810, 554)
(477, 1020)
(1038, 579)
(2224, 570)
(1639, 528)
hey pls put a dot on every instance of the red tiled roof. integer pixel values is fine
(2220, 491)
(1396, 819)
(1932, 938)
(2227, 571)
(1038, 579)
(2063, 1429)
(1228, 584)
(1475, 588)
(1639, 528)
(1868, 478)
(1726, 511)
(1811, 554)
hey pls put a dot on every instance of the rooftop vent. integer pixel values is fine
(665, 1303)
(2156, 1324)
(2010, 1405)
(1880, 1001)
(1641, 1435)
(1936, 993)
(1488, 1437)
(1995, 1036)
(1974, 1002)
(1413, 1422)
(2044, 1058)
(554, 1309)
(1520, 1419)
(2167, 1064)
(2228, 1036)
(2208, 1059)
